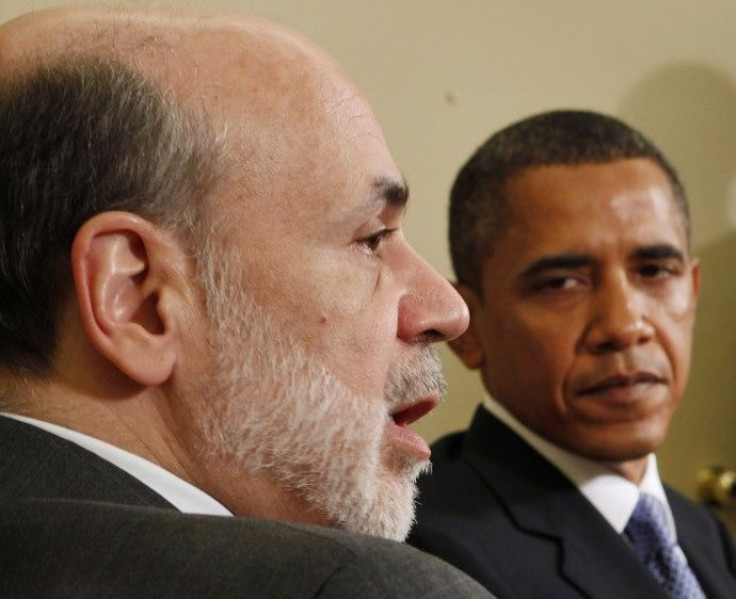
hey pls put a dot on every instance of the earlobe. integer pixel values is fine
(467, 346)
(122, 288)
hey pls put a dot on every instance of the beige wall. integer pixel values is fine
(443, 74)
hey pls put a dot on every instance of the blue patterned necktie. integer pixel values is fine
(656, 546)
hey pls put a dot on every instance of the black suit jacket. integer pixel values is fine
(73, 525)
(498, 510)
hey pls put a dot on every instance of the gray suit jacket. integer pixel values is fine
(73, 525)
(499, 511)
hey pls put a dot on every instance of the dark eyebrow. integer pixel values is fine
(563, 261)
(658, 252)
(572, 261)
(394, 193)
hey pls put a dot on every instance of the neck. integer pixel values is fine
(256, 493)
(134, 419)
(632, 470)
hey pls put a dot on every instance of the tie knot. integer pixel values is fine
(648, 528)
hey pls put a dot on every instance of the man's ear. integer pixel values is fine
(125, 277)
(695, 276)
(468, 346)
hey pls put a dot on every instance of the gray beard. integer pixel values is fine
(273, 407)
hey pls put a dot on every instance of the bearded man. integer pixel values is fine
(207, 309)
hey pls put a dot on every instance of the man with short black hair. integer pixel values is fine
(570, 238)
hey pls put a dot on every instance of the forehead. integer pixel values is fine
(591, 207)
(300, 139)
(303, 138)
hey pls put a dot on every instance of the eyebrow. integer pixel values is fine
(572, 261)
(562, 261)
(394, 193)
(659, 251)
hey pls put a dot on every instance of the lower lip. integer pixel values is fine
(628, 394)
(409, 441)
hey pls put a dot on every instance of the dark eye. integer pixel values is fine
(657, 271)
(561, 283)
(373, 242)
(556, 284)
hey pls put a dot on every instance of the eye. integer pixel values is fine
(560, 283)
(373, 242)
(657, 270)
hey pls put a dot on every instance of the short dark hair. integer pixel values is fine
(563, 137)
(80, 137)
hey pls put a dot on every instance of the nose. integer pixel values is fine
(619, 319)
(430, 309)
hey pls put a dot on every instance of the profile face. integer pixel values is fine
(315, 220)
(588, 306)
(322, 249)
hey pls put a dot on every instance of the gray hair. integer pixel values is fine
(79, 137)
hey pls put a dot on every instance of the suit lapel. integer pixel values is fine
(543, 503)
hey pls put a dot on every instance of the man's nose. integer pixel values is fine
(618, 317)
(430, 310)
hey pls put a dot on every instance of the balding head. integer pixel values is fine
(230, 64)
(259, 84)
(205, 258)
(157, 40)
(170, 103)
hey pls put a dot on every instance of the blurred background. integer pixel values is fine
(443, 74)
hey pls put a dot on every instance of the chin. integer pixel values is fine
(385, 507)
(615, 443)
(623, 449)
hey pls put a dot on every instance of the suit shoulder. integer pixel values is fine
(689, 514)
(93, 549)
(390, 569)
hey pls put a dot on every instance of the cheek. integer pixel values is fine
(342, 311)
(550, 340)
(355, 333)
(360, 350)
(675, 321)
(530, 351)
(679, 348)
(675, 309)
(680, 305)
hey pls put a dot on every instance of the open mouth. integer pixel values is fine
(403, 438)
(412, 413)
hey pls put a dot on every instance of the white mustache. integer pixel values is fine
(419, 377)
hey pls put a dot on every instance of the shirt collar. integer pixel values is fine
(609, 492)
(182, 495)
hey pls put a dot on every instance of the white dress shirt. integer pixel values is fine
(610, 493)
(182, 495)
